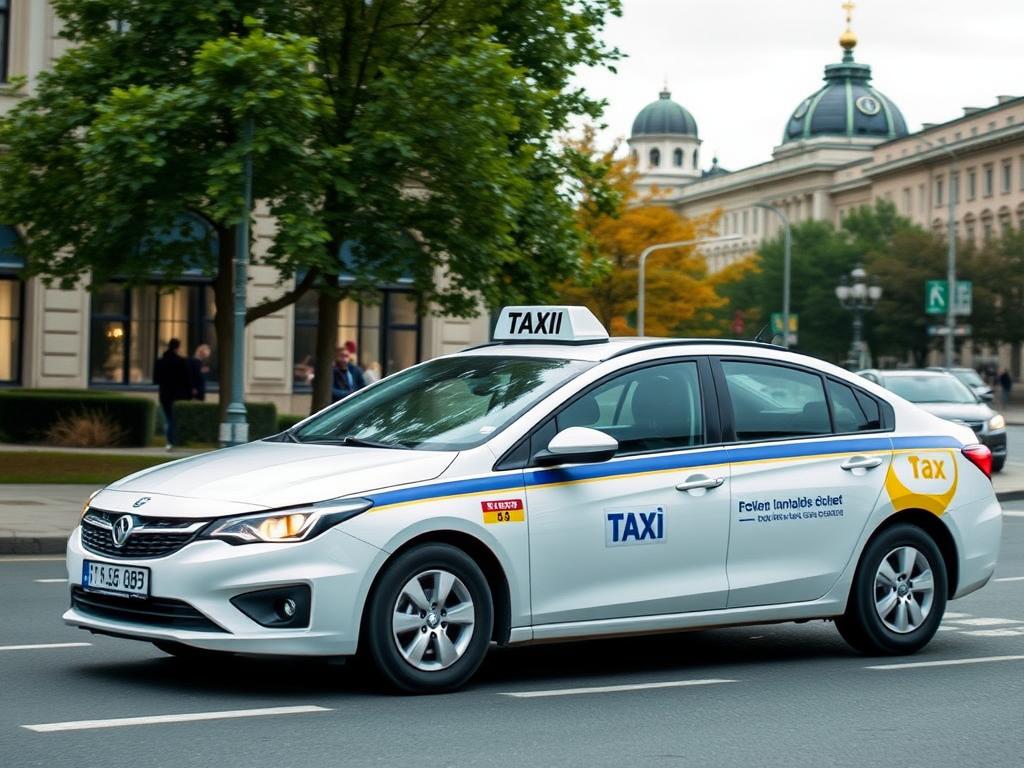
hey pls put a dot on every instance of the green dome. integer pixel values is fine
(664, 116)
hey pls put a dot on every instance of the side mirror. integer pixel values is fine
(578, 445)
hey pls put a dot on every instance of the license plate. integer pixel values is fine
(119, 579)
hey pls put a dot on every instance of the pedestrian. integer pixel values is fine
(372, 373)
(198, 367)
(346, 376)
(171, 375)
(1005, 384)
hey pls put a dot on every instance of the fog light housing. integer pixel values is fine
(278, 607)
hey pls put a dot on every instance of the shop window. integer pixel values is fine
(130, 329)
(11, 299)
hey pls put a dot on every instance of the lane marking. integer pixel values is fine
(947, 629)
(1010, 578)
(1012, 514)
(51, 581)
(1001, 632)
(27, 559)
(118, 722)
(613, 688)
(951, 615)
(42, 645)
(987, 622)
(947, 663)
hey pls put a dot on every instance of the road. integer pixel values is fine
(787, 695)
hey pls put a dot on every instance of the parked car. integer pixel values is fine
(942, 393)
(972, 379)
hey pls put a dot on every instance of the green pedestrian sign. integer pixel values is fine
(936, 297)
(794, 325)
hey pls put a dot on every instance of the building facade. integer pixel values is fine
(110, 336)
(847, 145)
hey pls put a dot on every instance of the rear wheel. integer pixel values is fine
(429, 619)
(898, 595)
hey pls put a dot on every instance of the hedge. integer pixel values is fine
(287, 421)
(198, 421)
(27, 414)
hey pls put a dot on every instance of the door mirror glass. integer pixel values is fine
(578, 445)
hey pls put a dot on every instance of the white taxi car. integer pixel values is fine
(554, 484)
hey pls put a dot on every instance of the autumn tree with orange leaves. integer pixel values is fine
(681, 297)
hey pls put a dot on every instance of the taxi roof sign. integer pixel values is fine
(572, 325)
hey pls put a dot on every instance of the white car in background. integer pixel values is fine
(556, 484)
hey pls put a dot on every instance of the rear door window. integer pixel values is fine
(774, 402)
(851, 410)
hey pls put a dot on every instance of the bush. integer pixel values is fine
(88, 429)
(27, 415)
(287, 421)
(199, 422)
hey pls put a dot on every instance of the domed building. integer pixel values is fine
(846, 105)
(664, 144)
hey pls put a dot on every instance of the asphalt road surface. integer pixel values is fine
(787, 695)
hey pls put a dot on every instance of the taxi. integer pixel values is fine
(553, 484)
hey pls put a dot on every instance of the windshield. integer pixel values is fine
(444, 405)
(969, 377)
(929, 389)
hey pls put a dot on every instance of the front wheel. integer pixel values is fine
(898, 595)
(998, 464)
(429, 619)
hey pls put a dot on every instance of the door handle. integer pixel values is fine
(861, 462)
(700, 481)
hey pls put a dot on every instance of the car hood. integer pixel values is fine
(266, 475)
(958, 411)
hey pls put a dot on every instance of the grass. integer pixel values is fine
(70, 467)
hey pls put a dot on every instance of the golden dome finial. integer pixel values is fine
(848, 40)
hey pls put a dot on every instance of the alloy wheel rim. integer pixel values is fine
(433, 620)
(904, 590)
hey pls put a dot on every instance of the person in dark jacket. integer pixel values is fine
(198, 368)
(172, 377)
(346, 376)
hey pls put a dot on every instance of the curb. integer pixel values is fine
(33, 545)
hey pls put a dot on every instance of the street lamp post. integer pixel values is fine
(787, 263)
(952, 193)
(641, 279)
(858, 294)
(235, 429)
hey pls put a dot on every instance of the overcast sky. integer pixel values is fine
(742, 66)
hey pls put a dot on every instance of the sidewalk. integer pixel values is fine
(37, 519)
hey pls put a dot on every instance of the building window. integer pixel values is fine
(129, 329)
(972, 183)
(387, 334)
(5, 23)
(987, 181)
(745, 224)
(677, 158)
(1007, 176)
(11, 296)
(920, 198)
(954, 186)
(971, 236)
(655, 156)
(695, 165)
(756, 219)
(938, 191)
(906, 201)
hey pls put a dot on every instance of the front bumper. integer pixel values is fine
(207, 574)
(996, 442)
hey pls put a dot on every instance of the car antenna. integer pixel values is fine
(765, 336)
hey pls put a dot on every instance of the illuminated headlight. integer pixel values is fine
(286, 525)
(85, 506)
(997, 422)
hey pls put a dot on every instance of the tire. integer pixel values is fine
(998, 464)
(410, 636)
(188, 652)
(900, 631)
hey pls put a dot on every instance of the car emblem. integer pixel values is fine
(141, 501)
(122, 529)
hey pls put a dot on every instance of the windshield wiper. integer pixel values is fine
(357, 442)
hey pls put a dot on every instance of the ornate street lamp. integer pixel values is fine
(858, 294)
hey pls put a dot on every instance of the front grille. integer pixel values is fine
(151, 611)
(977, 426)
(150, 536)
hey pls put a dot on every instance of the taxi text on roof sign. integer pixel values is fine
(563, 324)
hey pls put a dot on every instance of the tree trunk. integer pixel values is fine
(224, 320)
(326, 342)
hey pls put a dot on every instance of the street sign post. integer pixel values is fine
(794, 326)
(936, 297)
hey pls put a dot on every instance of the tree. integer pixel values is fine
(421, 134)
(680, 297)
(140, 123)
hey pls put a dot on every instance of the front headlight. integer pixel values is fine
(997, 422)
(85, 506)
(286, 525)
